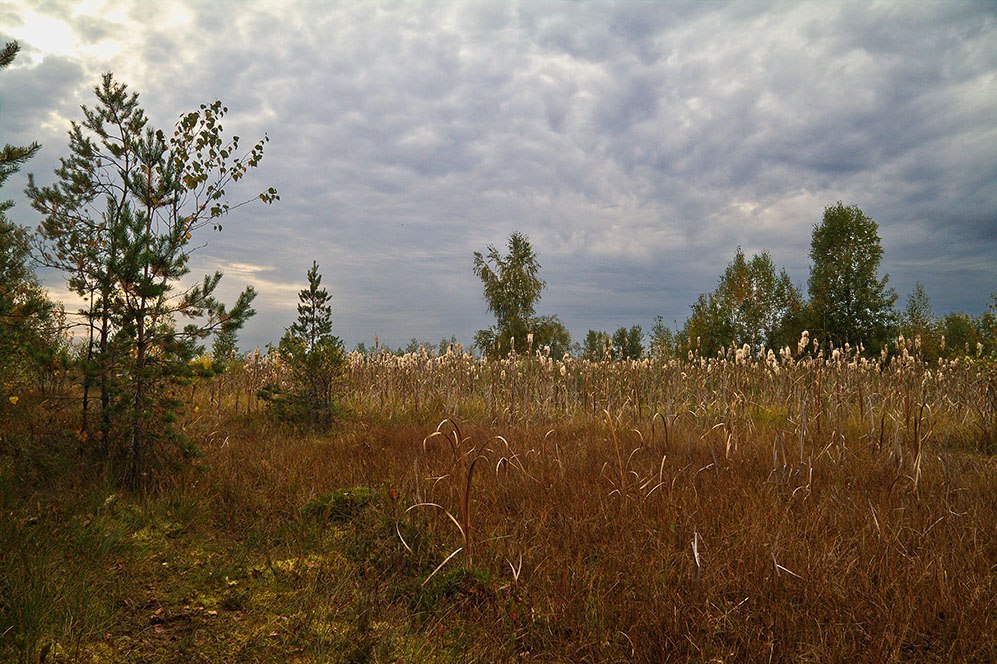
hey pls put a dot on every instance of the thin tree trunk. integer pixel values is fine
(105, 393)
(87, 378)
(138, 406)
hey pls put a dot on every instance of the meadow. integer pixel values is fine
(782, 506)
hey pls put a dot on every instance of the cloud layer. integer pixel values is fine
(637, 144)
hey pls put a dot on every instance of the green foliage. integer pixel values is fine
(413, 346)
(459, 585)
(848, 300)
(12, 156)
(342, 505)
(918, 315)
(596, 345)
(512, 289)
(30, 337)
(30, 341)
(628, 344)
(314, 312)
(225, 346)
(315, 361)
(550, 333)
(987, 325)
(960, 335)
(119, 222)
(663, 343)
(751, 304)
(919, 325)
(446, 344)
(964, 335)
(624, 344)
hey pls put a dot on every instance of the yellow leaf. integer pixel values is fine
(13, 400)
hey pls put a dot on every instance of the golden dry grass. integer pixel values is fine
(721, 510)
(839, 510)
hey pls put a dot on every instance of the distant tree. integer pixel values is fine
(623, 344)
(512, 289)
(628, 344)
(918, 314)
(988, 326)
(315, 360)
(848, 300)
(119, 221)
(225, 345)
(447, 344)
(662, 344)
(28, 326)
(597, 345)
(314, 311)
(960, 335)
(751, 305)
(414, 346)
(918, 324)
(550, 333)
(226, 338)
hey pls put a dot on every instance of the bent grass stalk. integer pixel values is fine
(857, 510)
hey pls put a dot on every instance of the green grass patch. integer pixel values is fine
(342, 505)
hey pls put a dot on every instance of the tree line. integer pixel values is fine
(850, 306)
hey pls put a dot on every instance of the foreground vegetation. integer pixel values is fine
(787, 507)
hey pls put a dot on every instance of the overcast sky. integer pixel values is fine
(637, 144)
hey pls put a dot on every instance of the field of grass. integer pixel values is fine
(782, 508)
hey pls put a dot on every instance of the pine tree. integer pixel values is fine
(315, 360)
(226, 342)
(119, 222)
(314, 311)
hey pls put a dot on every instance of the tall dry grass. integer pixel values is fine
(781, 507)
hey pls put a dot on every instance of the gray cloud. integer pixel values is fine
(638, 144)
